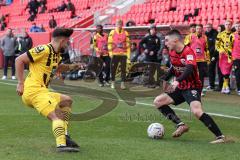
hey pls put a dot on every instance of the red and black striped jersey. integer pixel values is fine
(179, 62)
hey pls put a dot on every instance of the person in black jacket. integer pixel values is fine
(151, 45)
(211, 39)
(24, 43)
(52, 22)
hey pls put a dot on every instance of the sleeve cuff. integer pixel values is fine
(30, 56)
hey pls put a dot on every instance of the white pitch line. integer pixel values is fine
(147, 104)
(186, 110)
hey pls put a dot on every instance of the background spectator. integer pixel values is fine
(24, 43)
(52, 22)
(130, 23)
(62, 7)
(134, 52)
(42, 28)
(33, 8)
(151, 45)
(43, 8)
(211, 39)
(35, 28)
(71, 7)
(9, 46)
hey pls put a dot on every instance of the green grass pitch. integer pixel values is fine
(119, 134)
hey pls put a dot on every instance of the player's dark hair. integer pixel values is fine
(176, 33)
(192, 25)
(199, 25)
(99, 26)
(62, 32)
(222, 27)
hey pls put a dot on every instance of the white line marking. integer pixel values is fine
(147, 104)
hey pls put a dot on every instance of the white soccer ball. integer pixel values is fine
(155, 131)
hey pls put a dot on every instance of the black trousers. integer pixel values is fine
(106, 60)
(236, 65)
(212, 74)
(203, 69)
(152, 68)
(116, 60)
(8, 59)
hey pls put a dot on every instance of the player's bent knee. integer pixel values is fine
(196, 108)
(55, 115)
(161, 100)
(66, 101)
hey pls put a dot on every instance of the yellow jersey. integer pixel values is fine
(116, 39)
(223, 43)
(43, 64)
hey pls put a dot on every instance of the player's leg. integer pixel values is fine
(212, 74)
(48, 104)
(58, 127)
(225, 67)
(65, 106)
(6, 59)
(220, 78)
(107, 62)
(114, 65)
(123, 60)
(100, 75)
(162, 103)
(193, 98)
(207, 120)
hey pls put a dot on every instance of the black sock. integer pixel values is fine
(170, 114)
(212, 126)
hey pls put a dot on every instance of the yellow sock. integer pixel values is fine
(225, 83)
(58, 129)
(66, 111)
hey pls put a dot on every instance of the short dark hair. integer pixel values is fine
(134, 43)
(192, 25)
(99, 25)
(62, 32)
(199, 25)
(174, 32)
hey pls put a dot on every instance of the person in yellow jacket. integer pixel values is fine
(192, 31)
(198, 42)
(224, 47)
(119, 51)
(100, 44)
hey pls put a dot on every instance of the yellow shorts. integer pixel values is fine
(42, 100)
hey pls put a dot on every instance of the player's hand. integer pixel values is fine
(146, 51)
(20, 88)
(76, 66)
(213, 59)
(167, 87)
(174, 85)
(151, 53)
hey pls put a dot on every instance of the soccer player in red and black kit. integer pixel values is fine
(186, 87)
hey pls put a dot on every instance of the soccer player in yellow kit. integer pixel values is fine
(224, 47)
(44, 61)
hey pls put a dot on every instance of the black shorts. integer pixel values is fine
(189, 95)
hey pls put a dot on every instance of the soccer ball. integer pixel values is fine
(155, 131)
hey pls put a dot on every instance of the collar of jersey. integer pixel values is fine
(52, 48)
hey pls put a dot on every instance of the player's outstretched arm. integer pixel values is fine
(20, 61)
(69, 67)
